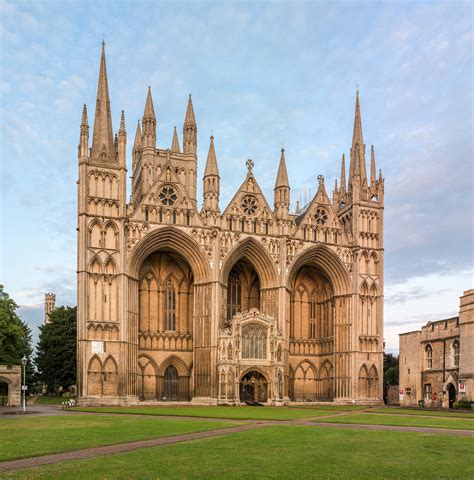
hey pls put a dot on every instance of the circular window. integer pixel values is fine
(321, 216)
(249, 205)
(168, 196)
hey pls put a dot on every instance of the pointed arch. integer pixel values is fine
(147, 378)
(110, 236)
(95, 234)
(254, 252)
(110, 376)
(180, 365)
(170, 239)
(373, 382)
(325, 259)
(94, 377)
(363, 382)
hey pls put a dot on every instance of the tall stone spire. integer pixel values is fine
(211, 179)
(122, 141)
(373, 174)
(137, 146)
(343, 175)
(103, 138)
(281, 192)
(175, 143)
(83, 150)
(149, 122)
(357, 164)
(282, 176)
(190, 130)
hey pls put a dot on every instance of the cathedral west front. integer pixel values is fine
(183, 299)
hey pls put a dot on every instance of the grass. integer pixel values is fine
(281, 452)
(235, 413)
(434, 413)
(28, 437)
(44, 400)
(403, 421)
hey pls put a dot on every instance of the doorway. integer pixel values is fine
(253, 387)
(451, 394)
(171, 392)
(3, 393)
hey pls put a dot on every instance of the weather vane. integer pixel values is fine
(249, 164)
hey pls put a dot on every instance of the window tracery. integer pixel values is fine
(456, 353)
(249, 205)
(170, 306)
(321, 216)
(254, 341)
(429, 356)
(168, 195)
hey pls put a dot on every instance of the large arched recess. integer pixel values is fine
(328, 262)
(254, 252)
(170, 239)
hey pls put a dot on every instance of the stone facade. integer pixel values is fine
(436, 363)
(178, 302)
(11, 375)
(49, 305)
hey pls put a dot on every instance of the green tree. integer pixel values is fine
(390, 369)
(56, 350)
(15, 336)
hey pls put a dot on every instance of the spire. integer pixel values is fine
(282, 176)
(373, 178)
(190, 130)
(211, 164)
(175, 143)
(83, 150)
(149, 122)
(343, 174)
(138, 138)
(84, 120)
(122, 131)
(357, 165)
(103, 139)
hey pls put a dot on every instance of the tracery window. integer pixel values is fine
(321, 216)
(234, 299)
(312, 316)
(170, 306)
(429, 356)
(254, 341)
(168, 196)
(249, 205)
(456, 353)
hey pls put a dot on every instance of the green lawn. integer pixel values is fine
(433, 413)
(282, 452)
(234, 413)
(338, 408)
(51, 400)
(28, 437)
(405, 421)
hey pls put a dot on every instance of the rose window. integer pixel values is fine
(321, 216)
(168, 196)
(249, 205)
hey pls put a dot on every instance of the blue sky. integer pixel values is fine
(262, 74)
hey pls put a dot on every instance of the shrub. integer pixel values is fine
(463, 403)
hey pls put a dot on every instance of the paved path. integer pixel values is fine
(39, 461)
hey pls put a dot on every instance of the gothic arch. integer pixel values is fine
(111, 236)
(257, 256)
(183, 370)
(174, 240)
(325, 259)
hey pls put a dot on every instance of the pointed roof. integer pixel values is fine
(122, 130)
(357, 165)
(175, 142)
(357, 136)
(373, 177)
(149, 111)
(189, 118)
(282, 176)
(343, 174)
(103, 138)
(211, 164)
(138, 137)
(84, 120)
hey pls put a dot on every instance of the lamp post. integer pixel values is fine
(23, 362)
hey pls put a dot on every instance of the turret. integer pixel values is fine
(190, 130)
(211, 180)
(122, 142)
(282, 189)
(83, 150)
(137, 148)
(103, 140)
(149, 122)
(175, 142)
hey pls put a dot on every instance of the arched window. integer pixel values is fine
(312, 316)
(170, 306)
(429, 356)
(234, 297)
(456, 353)
(254, 341)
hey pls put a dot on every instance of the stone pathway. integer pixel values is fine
(39, 461)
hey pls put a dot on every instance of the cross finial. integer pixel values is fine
(357, 88)
(320, 179)
(249, 164)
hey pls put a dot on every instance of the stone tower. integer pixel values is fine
(49, 305)
(211, 304)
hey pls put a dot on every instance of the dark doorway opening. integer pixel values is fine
(3, 393)
(171, 392)
(451, 394)
(253, 387)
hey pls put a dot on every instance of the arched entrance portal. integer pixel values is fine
(253, 387)
(4, 386)
(171, 390)
(451, 394)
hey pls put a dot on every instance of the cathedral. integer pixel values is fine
(183, 300)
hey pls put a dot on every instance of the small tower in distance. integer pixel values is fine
(49, 305)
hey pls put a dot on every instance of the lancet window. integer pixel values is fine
(234, 303)
(254, 341)
(170, 306)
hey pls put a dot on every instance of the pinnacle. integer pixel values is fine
(138, 136)
(175, 142)
(189, 118)
(84, 121)
(149, 109)
(211, 164)
(282, 175)
(343, 174)
(373, 174)
(122, 129)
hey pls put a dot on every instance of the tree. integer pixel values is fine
(390, 369)
(15, 336)
(56, 349)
